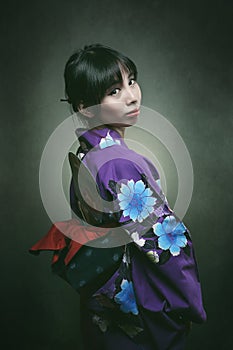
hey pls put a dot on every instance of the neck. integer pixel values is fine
(120, 130)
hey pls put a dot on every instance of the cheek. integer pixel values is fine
(115, 108)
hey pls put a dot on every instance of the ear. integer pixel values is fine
(85, 111)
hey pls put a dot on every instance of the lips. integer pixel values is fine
(134, 112)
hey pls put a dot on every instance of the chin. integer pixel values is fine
(132, 121)
(124, 125)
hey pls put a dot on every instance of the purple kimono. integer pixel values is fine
(151, 299)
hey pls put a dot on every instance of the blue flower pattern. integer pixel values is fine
(136, 200)
(171, 235)
(126, 298)
(108, 141)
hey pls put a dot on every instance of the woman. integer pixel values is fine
(151, 296)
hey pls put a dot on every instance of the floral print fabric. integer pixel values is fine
(160, 277)
(136, 200)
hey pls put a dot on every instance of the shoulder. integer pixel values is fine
(115, 158)
(120, 168)
(114, 166)
(117, 163)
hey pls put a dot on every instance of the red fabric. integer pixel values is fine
(56, 238)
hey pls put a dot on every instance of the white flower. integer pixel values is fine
(137, 240)
(153, 256)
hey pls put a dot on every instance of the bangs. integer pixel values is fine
(103, 72)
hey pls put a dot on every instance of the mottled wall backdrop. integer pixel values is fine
(183, 50)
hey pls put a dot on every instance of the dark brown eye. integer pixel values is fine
(114, 92)
(132, 81)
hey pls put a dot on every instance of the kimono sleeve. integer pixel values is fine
(124, 183)
(164, 269)
(116, 171)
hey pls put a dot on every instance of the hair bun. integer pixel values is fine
(92, 46)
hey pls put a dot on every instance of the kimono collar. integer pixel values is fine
(103, 138)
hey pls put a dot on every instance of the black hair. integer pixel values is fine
(89, 72)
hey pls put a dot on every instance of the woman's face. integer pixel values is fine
(121, 104)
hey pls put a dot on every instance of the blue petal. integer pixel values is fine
(147, 192)
(149, 200)
(164, 242)
(140, 218)
(139, 187)
(125, 307)
(133, 214)
(150, 209)
(126, 212)
(169, 223)
(175, 250)
(125, 190)
(122, 197)
(180, 228)
(103, 144)
(110, 142)
(144, 213)
(136, 200)
(127, 298)
(158, 229)
(180, 241)
(106, 142)
(121, 297)
(125, 284)
(129, 307)
(124, 205)
(130, 184)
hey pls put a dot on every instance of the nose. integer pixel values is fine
(130, 95)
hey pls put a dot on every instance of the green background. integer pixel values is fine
(183, 50)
